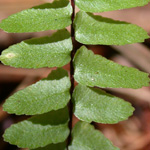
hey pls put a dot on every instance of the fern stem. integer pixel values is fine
(71, 72)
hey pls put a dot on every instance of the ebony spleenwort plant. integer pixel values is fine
(48, 98)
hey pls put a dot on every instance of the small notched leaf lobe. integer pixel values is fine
(39, 131)
(95, 70)
(94, 29)
(92, 104)
(84, 137)
(49, 51)
(48, 94)
(108, 5)
(49, 16)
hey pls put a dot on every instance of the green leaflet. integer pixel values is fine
(96, 105)
(95, 70)
(49, 16)
(85, 137)
(40, 52)
(92, 29)
(108, 5)
(59, 146)
(40, 130)
(48, 94)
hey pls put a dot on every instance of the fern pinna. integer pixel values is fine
(47, 99)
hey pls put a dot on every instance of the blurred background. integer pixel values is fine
(133, 134)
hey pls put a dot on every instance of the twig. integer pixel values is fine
(71, 72)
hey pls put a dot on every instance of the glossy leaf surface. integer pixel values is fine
(108, 5)
(49, 16)
(95, 70)
(85, 137)
(91, 104)
(40, 130)
(48, 94)
(94, 29)
(40, 52)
